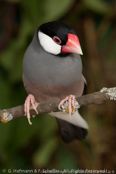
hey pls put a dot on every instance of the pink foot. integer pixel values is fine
(71, 102)
(30, 100)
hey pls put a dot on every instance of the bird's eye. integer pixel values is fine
(57, 40)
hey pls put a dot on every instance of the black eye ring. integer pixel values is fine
(57, 40)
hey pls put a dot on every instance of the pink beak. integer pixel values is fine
(72, 45)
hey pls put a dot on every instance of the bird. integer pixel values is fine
(52, 71)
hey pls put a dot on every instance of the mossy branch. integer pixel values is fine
(93, 98)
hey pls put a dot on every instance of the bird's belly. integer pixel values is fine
(48, 93)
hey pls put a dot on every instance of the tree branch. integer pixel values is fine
(94, 98)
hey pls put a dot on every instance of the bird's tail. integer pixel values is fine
(71, 128)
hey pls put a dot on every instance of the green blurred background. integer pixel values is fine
(40, 145)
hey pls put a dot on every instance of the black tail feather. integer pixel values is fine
(69, 132)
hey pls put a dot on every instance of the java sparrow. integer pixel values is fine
(52, 71)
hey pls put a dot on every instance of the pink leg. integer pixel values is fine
(71, 101)
(30, 100)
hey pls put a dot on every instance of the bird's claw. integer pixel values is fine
(71, 104)
(29, 102)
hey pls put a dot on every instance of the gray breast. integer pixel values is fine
(44, 68)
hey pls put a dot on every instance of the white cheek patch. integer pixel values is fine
(48, 44)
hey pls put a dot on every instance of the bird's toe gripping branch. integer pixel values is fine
(69, 105)
(30, 104)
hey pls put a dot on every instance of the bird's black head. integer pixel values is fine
(57, 37)
(57, 29)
